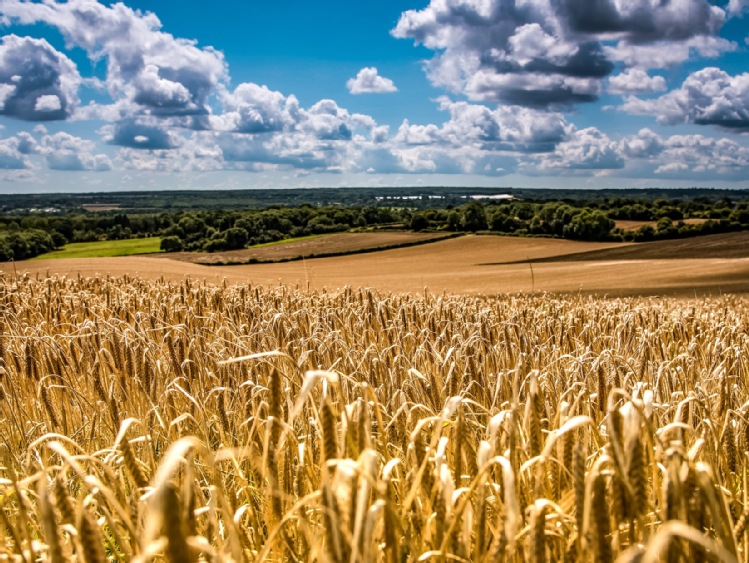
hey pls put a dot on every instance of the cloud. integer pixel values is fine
(198, 152)
(475, 139)
(367, 81)
(506, 128)
(647, 155)
(60, 151)
(643, 155)
(585, 149)
(37, 83)
(68, 152)
(328, 122)
(11, 157)
(252, 108)
(686, 156)
(640, 21)
(635, 80)
(436, 159)
(515, 65)
(498, 50)
(662, 54)
(327, 138)
(707, 97)
(23, 176)
(645, 145)
(535, 89)
(297, 150)
(418, 134)
(139, 134)
(549, 53)
(705, 156)
(27, 144)
(527, 130)
(738, 7)
(265, 128)
(256, 110)
(154, 72)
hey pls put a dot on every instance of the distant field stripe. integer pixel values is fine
(105, 248)
(289, 240)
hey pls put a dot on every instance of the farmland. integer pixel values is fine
(629, 225)
(311, 247)
(472, 265)
(105, 248)
(186, 421)
(235, 235)
(478, 398)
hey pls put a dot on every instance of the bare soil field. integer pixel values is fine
(469, 265)
(723, 245)
(101, 206)
(338, 243)
(627, 225)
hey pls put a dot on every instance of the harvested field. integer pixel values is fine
(467, 265)
(627, 225)
(327, 245)
(724, 245)
(101, 206)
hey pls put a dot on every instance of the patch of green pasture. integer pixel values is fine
(105, 248)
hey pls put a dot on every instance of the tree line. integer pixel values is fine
(24, 236)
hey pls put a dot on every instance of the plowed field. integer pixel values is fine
(472, 265)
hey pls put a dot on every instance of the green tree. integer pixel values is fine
(474, 217)
(58, 239)
(453, 220)
(589, 225)
(171, 244)
(235, 237)
(665, 227)
(419, 222)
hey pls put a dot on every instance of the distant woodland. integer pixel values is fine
(216, 221)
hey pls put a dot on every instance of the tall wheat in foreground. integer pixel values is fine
(148, 421)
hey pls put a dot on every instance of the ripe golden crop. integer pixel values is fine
(146, 420)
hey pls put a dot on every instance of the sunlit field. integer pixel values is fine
(151, 420)
(476, 265)
(105, 248)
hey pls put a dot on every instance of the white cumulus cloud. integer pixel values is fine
(737, 7)
(197, 152)
(151, 71)
(709, 96)
(506, 128)
(551, 52)
(667, 53)
(585, 149)
(37, 82)
(634, 81)
(252, 108)
(63, 151)
(11, 157)
(368, 81)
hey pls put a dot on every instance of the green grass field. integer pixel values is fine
(105, 248)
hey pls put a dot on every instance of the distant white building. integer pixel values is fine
(493, 197)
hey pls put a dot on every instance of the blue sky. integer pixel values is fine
(99, 96)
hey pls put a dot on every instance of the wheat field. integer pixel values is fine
(163, 421)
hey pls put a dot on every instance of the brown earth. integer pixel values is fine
(338, 243)
(466, 265)
(723, 245)
(101, 206)
(627, 225)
